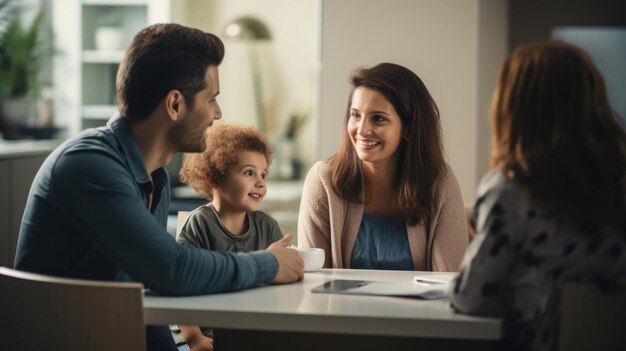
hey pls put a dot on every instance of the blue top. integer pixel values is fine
(87, 217)
(382, 243)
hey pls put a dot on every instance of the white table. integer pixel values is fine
(281, 315)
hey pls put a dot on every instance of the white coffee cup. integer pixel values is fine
(313, 258)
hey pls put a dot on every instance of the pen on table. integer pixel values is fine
(425, 280)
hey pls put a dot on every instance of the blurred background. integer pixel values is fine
(285, 72)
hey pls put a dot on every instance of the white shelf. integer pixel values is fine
(84, 77)
(115, 2)
(96, 56)
(279, 191)
(98, 112)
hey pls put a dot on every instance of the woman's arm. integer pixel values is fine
(451, 236)
(480, 287)
(314, 216)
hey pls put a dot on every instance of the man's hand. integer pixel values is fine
(290, 265)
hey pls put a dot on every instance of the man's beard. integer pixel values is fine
(187, 137)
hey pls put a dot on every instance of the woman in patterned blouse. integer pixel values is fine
(553, 208)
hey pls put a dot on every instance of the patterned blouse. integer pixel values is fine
(515, 266)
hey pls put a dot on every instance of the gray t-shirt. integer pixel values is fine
(203, 229)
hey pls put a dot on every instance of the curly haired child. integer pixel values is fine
(231, 174)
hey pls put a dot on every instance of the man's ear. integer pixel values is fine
(174, 104)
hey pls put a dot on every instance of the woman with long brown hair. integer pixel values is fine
(387, 199)
(552, 209)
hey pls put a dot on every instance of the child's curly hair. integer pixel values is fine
(224, 143)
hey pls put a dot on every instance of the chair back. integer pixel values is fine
(469, 213)
(180, 221)
(592, 319)
(53, 313)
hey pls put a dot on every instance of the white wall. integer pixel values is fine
(493, 46)
(288, 61)
(454, 46)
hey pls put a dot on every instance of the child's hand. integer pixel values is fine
(290, 265)
(203, 343)
(195, 339)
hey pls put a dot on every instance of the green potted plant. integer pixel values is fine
(22, 51)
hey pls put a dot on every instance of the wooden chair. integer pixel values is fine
(180, 221)
(469, 212)
(52, 313)
(592, 319)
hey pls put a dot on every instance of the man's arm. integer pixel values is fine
(99, 197)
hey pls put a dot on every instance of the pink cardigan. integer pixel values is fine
(331, 223)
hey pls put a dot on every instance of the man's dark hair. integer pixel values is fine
(161, 58)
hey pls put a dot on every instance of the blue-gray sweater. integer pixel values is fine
(87, 217)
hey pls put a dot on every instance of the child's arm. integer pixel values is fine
(195, 339)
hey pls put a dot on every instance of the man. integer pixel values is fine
(98, 206)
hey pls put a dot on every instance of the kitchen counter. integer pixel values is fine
(12, 149)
